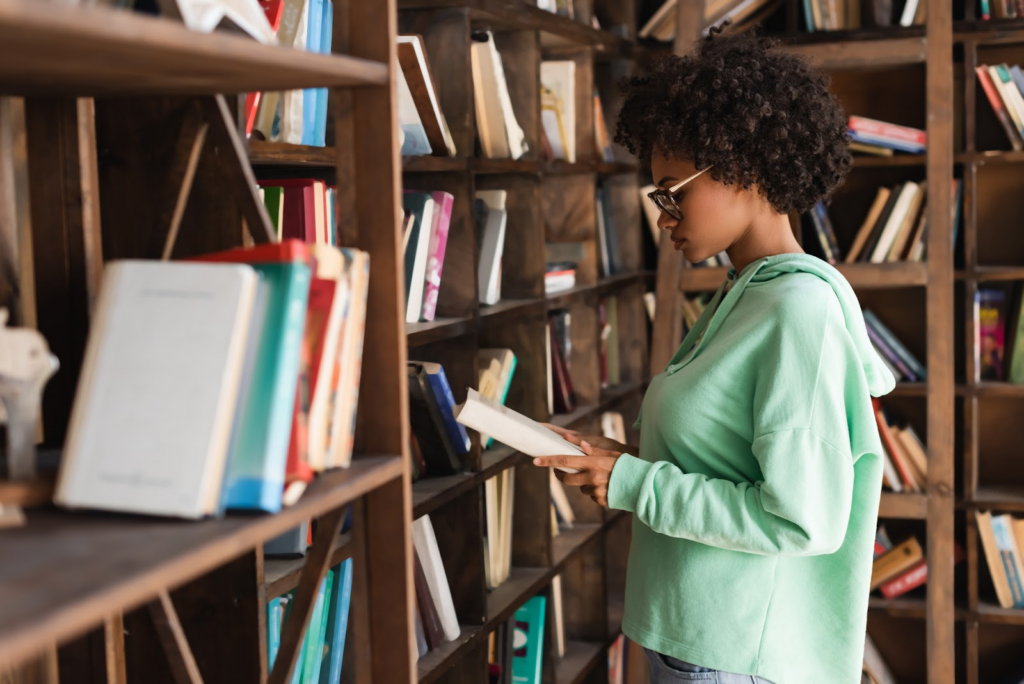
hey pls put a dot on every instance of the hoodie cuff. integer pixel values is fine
(627, 480)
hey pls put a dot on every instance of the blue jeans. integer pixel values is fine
(668, 670)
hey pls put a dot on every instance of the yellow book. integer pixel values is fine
(895, 561)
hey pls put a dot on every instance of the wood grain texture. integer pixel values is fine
(860, 54)
(105, 52)
(180, 175)
(114, 657)
(182, 664)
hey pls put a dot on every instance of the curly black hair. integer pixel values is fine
(754, 113)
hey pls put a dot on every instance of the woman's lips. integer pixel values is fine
(678, 242)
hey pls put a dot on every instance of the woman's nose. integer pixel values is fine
(666, 222)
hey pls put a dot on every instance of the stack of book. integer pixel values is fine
(558, 352)
(836, 15)
(997, 336)
(906, 461)
(301, 208)
(497, 128)
(440, 441)
(423, 128)
(897, 569)
(1002, 538)
(298, 117)
(499, 496)
(235, 376)
(424, 238)
(881, 138)
(608, 317)
(558, 109)
(1003, 85)
(741, 13)
(491, 221)
(436, 622)
(607, 234)
(323, 646)
(901, 363)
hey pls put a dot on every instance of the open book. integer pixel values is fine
(514, 429)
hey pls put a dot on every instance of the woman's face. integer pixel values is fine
(715, 215)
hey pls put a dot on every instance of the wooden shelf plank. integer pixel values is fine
(910, 389)
(871, 161)
(903, 506)
(431, 493)
(900, 607)
(615, 168)
(993, 613)
(433, 664)
(570, 540)
(95, 565)
(992, 273)
(263, 153)
(1007, 498)
(993, 389)
(281, 575)
(487, 166)
(509, 308)
(861, 54)
(579, 659)
(860, 276)
(438, 329)
(47, 49)
(427, 164)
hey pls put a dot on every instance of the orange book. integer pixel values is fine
(898, 457)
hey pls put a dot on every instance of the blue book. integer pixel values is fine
(446, 403)
(258, 452)
(1004, 536)
(898, 145)
(337, 624)
(526, 658)
(314, 24)
(274, 611)
(320, 120)
(1018, 78)
(809, 16)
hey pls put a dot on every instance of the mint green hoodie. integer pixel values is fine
(756, 489)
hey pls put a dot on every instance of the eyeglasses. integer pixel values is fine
(665, 199)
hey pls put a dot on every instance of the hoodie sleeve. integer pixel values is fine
(800, 440)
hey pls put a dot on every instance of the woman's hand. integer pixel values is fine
(598, 441)
(595, 470)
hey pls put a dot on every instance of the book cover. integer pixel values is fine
(879, 225)
(432, 630)
(895, 561)
(314, 33)
(428, 424)
(917, 369)
(349, 363)
(319, 136)
(299, 215)
(313, 647)
(412, 57)
(528, 644)
(496, 369)
(255, 474)
(160, 378)
(905, 134)
(824, 225)
(446, 403)
(990, 323)
(994, 559)
(893, 449)
(273, 629)
(443, 202)
(492, 246)
(1009, 554)
(998, 106)
(421, 206)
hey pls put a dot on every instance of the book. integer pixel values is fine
(433, 632)
(443, 203)
(273, 629)
(492, 246)
(994, 559)
(254, 478)
(904, 231)
(565, 401)
(498, 130)
(337, 624)
(151, 422)
(428, 423)
(349, 361)
(559, 77)
(561, 502)
(412, 57)
(446, 403)
(1009, 553)
(313, 646)
(902, 353)
(204, 16)
(529, 642)
(559, 277)
(492, 532)
(893, 449)
(999, 107)
(506, 498)
(611, 232)
(421, 205)
(314, 35)
(602, 239)
(1009, 94)
(559, 614)
(1016, 373)
(514, 429)
(895, 561)
(496, 368)
(914, 449)
(901, 138)
(291, 543)
(413, 132)
(425, 544)
(989, 330)
(318, 136)
(896, 220)
(875, 665)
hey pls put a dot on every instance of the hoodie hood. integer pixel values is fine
(879, 380)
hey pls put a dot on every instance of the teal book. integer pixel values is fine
(314, 32)
(528, 643)
(320, 118)
(312, 657)
(258, 451)
(337, 624)
(273, 629)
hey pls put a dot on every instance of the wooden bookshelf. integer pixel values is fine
(117, 598)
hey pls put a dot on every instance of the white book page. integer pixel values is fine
(514, 429)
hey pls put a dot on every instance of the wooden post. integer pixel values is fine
(939, 84)
(113, 641)
(172, 638)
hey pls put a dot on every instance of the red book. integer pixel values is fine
(996, 100)
(273, 9)
(887, 130)
(879, 549)
(267, 253)
(565, 402)
(299, 215)
(915, 576)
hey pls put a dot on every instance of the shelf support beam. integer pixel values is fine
(183, 664)
(180, 177)
(113, 649)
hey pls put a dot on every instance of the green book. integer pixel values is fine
(529, 640)
(273, 200)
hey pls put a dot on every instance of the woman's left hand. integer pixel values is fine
(595, 470)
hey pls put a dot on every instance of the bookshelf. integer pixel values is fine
(114, 598)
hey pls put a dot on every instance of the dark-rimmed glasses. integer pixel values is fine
(666, 199)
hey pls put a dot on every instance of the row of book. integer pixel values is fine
(1002, 539)
(995, 332)
(427, 218)
(899, 360)
(561, 395)
(295, 116)
(321, 654)
(225, 382)
(741, 14)
(515, 649)
(1003, 86)
(872, 136)
(1001, 9)
(898, 569)
(905, 465)
(836, 15)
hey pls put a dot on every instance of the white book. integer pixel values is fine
(416, 42)
(491, 511)
(896, 219)
(507, 498)
(889, 469)
(875, 664)
(414, 307)
(489, 118)
(556, 599)
(909, 10)
(151, 422)
(492, 246)
(437, 580)
(514, 429)
(206, 15)
(560, 78)
(514, 136)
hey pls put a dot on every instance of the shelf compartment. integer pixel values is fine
(580, 658)
(281, 575)
(1009, 499)
(99, 564)
(871, 162)
(605, 286)
(900, 607)
(108, 52)
(993, 613)
(431, 493)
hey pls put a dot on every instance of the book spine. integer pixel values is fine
(998, 106)
(890, 446)
(1004, 542)
(990, 326)
(986, 11)
(428, 611)
(911, 579)
(830, 233)
(890, 355)
(446, 402)
(895, 345)
(881, 141)
(887, 130)
(819, 232)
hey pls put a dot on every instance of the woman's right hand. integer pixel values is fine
(599, 441)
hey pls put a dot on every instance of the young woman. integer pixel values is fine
(756, 484)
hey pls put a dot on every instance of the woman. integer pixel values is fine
(756, 484)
